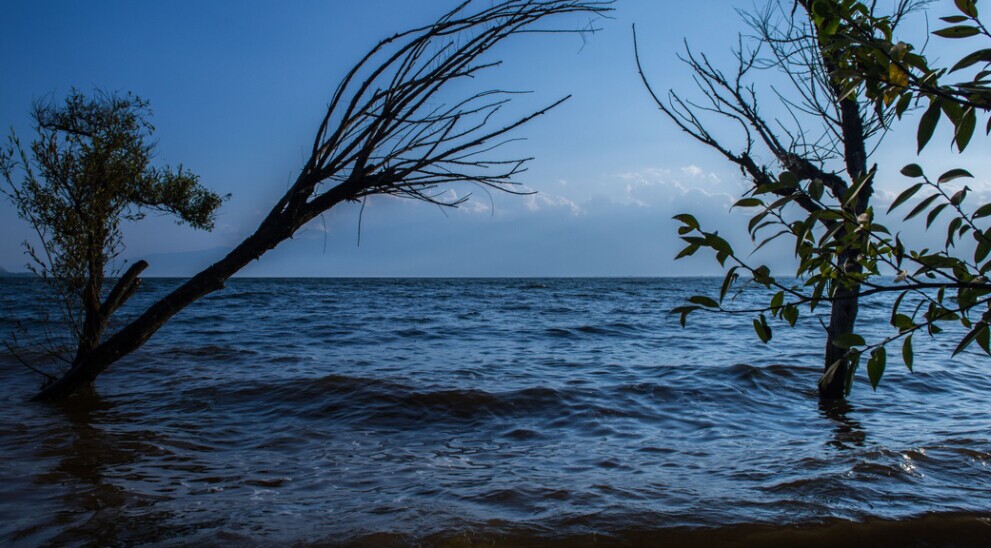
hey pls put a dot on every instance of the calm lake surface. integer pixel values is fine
(453, 412)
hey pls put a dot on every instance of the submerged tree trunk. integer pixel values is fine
(89, 365)
(846, 303)
(842, 320)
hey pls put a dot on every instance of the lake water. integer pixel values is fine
(453, 412)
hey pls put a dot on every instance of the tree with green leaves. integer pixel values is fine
(893, 74)
(843, 251)
(887, 71)
(88, 169)
(817, 192)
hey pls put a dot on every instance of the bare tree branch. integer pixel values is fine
(390, 128)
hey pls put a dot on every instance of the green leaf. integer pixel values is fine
(954, 174)
(979, 56)
(951, 231)
(854, 191)
(848, 340)
(958, 31)
(904, 196)
(718, 244)
(788, 179)
(731, 277)
(968, 7)
(816, 188)
(927, 125)
(965, 129)
(763, 330)
(902, 322)
(690, 250)
(687, 219)
(762, 275)
(983, 211)
(684, 311)
(903, 103)
(969, 338)
(983, 338)
(822, 9)
(952, 111)
(921, 207)
(790, 314)
(907, 355)
(894, 307)
(748, 202)
(770, 239)
(853, 358)
(704, 301)
(912, 170)
(817, 293)
(831, 28)
(959, 196)
(875, 365)
(752, 225)
(777, 300)
(983, 248)
(827, 377)
(935, 213)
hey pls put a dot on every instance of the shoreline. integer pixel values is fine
(961, 529)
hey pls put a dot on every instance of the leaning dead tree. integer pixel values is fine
(818, 138)
(391, 128)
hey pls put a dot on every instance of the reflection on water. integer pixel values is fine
(85, 449)
(563, 412)
(847, 432)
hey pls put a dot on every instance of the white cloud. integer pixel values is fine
(475, 206)
(657, 186)
(695, 172)
(692, 170)
(541, 200)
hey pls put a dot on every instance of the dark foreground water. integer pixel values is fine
(461, 412)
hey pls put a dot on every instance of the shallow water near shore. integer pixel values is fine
(537, 411)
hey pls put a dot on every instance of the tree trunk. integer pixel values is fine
(842, 320)
(85, 369)
(92, 328)
(843, 313)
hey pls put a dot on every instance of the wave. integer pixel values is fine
(534, 285)
(377, 401)
(212, 351)
(527, 412)
(584, 405)
(612, 329)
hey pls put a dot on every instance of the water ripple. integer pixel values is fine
(551, 412)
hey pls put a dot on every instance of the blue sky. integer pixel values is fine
(238, 88)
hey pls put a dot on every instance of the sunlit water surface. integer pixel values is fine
(408, 411)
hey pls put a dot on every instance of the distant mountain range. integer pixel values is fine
(4, 273)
